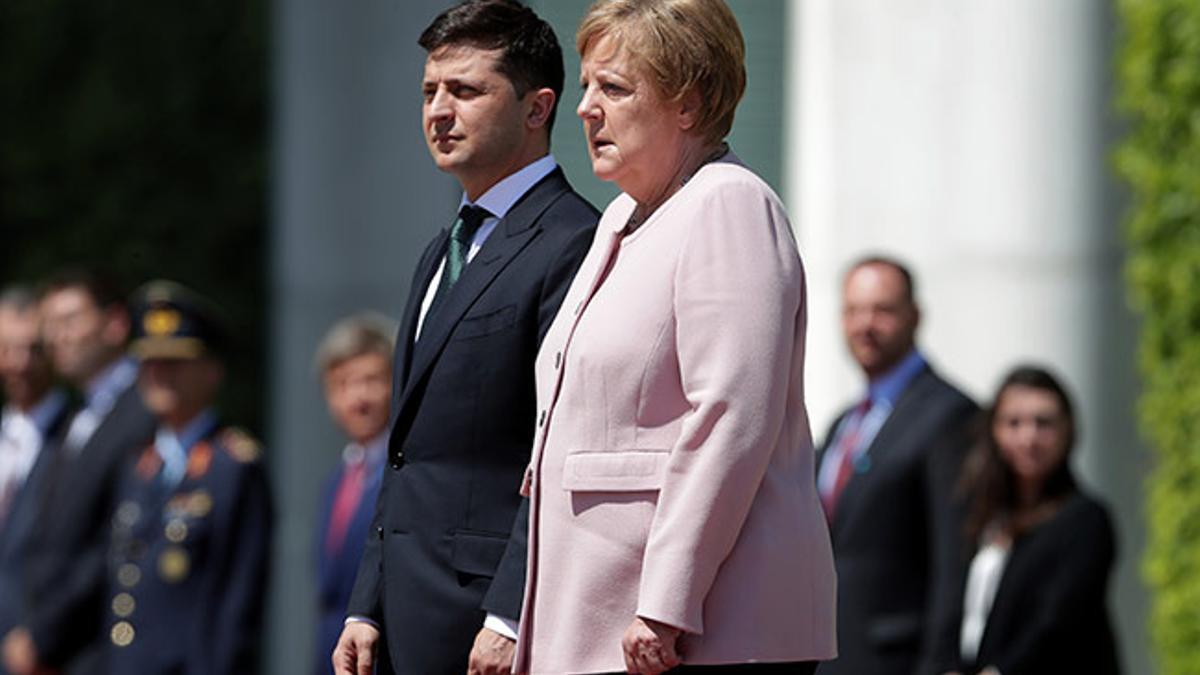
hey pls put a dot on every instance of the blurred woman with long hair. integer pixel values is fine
(1033, 592)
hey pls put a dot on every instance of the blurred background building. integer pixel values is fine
(270, 155)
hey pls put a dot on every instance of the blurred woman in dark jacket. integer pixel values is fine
(1033, 591)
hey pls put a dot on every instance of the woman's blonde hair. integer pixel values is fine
(683, 45)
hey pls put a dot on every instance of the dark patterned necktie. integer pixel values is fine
(461, 233)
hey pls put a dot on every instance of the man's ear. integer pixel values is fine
(689, 110)
(541, 106)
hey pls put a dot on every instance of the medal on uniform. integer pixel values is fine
(174, 565)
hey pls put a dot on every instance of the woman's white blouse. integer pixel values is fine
(983, 579)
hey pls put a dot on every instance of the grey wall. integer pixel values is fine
(356, 199)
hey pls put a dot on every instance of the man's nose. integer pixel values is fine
(440, 107)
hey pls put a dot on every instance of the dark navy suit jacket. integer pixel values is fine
(65, 579)
(20, 526)
(896, 533)
(450, 525)
(335, 573)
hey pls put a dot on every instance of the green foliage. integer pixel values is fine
(1160, 89)
(133, 138)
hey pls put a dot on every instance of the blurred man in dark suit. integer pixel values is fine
(446, 569)
(85, 327)
(355, 363)
(188, 554)
(31, 425)
(886, 476)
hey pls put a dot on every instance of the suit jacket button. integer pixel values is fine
(379, 532)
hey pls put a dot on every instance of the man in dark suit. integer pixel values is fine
(463, 413)
(355, 363)
(31, 425)
(887, 474)
(188, 554)
(85, 326)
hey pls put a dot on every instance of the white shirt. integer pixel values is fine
(102, 394)
(983, 580)
(22, 435)
(498, 200)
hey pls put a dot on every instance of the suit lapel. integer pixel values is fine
(412, 310)
(900, 420)
(512, 234)
(886, 440)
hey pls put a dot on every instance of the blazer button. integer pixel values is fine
(379, 532)
(398, 461)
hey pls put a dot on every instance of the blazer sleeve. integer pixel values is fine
(507, 589)
(1071, 589)
(738, 304)
(365, 599)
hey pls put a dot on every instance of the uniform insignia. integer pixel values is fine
(122, 634)
(161, 321)
(123, 605)
(129, 575)
(176, 531)
(240, 445)
(199, 459)
(174, 565)
(148, 464)
(199, 504)
(128, 513)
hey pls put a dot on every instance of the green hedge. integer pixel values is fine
(1160, 91)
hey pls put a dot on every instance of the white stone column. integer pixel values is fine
(971, 139)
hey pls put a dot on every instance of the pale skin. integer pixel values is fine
(647, 144)
(879, 320)
(24, 372)
(81, 337)
(479, 130)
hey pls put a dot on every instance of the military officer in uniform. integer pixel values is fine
(190, 534)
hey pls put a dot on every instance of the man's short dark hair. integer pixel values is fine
(910, 288)
(103, 290)
(531, 57)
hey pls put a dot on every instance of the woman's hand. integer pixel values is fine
(649, 647)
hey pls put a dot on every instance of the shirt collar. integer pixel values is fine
(195, 430)
(888, 387)
(46, 410)
(372, 452)
(104, 389)
(501, 197)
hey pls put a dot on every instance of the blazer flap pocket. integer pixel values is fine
(477, 553)
(619, 471)
(485, 324)
(895, 630)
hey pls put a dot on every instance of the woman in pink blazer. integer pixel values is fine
(674, 515)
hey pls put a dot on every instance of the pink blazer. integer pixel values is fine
(672, 474)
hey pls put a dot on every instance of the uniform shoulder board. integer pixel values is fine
(240, 445)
